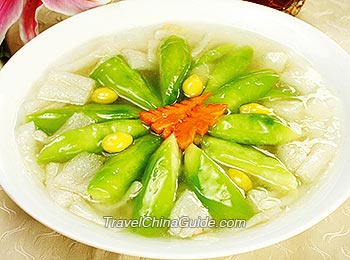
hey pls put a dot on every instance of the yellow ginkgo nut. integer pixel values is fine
(116, 142)
(254, 108)
(241, 179)
(193, 86)
(104, 96)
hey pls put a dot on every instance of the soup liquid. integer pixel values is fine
(289, 6)
(83, 60)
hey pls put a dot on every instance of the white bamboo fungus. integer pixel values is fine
(67, 87)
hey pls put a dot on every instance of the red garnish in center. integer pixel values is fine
(185, 119)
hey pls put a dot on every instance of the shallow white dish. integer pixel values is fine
(20, 73)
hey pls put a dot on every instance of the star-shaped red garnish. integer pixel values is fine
(185, 119)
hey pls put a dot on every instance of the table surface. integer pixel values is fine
(22, 237)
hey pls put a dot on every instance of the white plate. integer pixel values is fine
(19, 74)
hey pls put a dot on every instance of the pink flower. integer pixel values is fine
(25, 11)
(10, 11)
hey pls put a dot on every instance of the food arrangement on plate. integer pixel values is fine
(172, 121)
